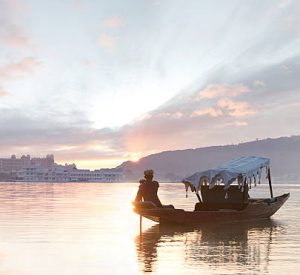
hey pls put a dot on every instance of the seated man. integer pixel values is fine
(148, 189)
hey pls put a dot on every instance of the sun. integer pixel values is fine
(135, 157)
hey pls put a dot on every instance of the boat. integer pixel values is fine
(223, 194)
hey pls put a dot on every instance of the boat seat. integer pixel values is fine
(268, 200)
(216, 198)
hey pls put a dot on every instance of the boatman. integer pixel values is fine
(148, 189)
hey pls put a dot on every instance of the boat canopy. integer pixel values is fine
(243, 169)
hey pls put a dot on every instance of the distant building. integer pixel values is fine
(13, 164)
(59, 173)
(28, 169)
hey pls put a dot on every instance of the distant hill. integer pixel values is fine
(172, 166)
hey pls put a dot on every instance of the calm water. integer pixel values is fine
(91, 229)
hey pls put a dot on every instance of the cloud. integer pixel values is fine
(221, 101)
(27, 66)
(236, 109)
(232, 124)
(18, 6)
(291, 22)
(2, 92)
(181, 123)
(222, 90)
(240, 123)
(15, 38)
(284, 3)
(214, 112)
(113, 22)
(230, 94)
(259, 83)
(176, 115)
(47, 134)
(77, 5)
(107, 41)
(12, 32)
(227, 107)
(88, 63)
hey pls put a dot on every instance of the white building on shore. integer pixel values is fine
(14, 164)
(26, 169)
(60, 173)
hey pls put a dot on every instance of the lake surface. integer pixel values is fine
(89, 228)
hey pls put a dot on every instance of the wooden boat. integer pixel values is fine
(223, 196)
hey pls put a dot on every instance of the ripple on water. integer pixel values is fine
(90, 229)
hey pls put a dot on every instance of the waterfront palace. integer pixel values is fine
(27, 169)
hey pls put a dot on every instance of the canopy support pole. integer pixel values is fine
(270, 182)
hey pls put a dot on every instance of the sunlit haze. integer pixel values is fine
(101, 82)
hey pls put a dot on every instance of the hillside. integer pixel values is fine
(172, 166)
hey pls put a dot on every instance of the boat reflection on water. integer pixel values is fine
(146, 246)
(229, 248)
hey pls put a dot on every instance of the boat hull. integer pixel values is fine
(257, 209)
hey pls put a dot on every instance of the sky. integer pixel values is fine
(99, 82)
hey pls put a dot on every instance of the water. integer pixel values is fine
(90, 228)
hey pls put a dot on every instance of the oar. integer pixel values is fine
(141, 223)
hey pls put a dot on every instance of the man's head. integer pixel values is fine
(148, 174)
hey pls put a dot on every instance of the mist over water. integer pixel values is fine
(89, 228)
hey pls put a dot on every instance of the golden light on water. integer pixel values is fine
(84, 228)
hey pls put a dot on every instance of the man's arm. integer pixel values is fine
(139, 195)
(156, 184)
